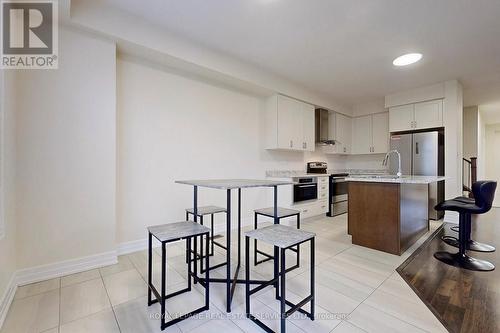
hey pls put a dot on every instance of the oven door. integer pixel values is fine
(339, 190)
(305, 191)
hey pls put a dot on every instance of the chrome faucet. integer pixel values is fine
(386, 158)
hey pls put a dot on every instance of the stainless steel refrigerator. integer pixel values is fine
(422, 154)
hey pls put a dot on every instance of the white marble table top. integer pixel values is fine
(226, 184)
(394, 179)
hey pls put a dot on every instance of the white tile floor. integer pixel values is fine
(357, 290)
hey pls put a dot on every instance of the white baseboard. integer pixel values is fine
(7, 298)
(132, 246)
(50, 271)
(450, 217)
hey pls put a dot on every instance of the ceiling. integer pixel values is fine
(345, 48)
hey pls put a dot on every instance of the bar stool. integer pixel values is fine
(472, 245)
(282, 213)
(203, 211)
(484, 193)
(281, 238)
(167, 233)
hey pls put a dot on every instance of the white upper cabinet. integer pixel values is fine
(289, 124)
(343, 129)
(339, 129)
(380, 133)
(416, 116)
(401, 118)
(429, 114)
(308, 123)
(362, 135)
(370, 134)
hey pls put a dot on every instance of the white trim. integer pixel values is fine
(450, 217)
(132, 246)
(7, 298)
(50, 271)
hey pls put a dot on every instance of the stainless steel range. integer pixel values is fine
(338, 194)
(338, 198)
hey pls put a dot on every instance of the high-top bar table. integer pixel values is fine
(228, 185)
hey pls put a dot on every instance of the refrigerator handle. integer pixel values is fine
(416, 148)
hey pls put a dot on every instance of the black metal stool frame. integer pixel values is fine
(163, 296)
(280, 284)
(202, 256)
(472, 245)
(256, 251)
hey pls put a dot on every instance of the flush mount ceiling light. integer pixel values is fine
(407, 59)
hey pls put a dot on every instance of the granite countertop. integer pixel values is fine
(395, 179)
(226, 184)
(303, 173)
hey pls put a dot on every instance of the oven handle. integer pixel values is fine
(310, 185)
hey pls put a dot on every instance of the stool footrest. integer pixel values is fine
(298, 307)
(184, 316)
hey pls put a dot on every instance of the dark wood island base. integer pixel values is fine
(388, 217)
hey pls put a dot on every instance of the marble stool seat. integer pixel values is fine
(201, 212)
(167, 233)
(281, 238)
(281, 213)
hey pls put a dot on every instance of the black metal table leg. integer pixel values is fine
(283, 292)
(212, 234)
(188, 244)
(276, 251)
(228, 251)
(247, 276)
(163, 283)
(312, 278)
(150, 266)
(239, 226)
(207, 276)
(201, 249)
(255, 241)
(276, 271)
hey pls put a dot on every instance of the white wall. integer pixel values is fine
(8, 241)
(66, 152)
(481, 145)
(492, 165)
(172, 127)
(470, 130)
(146, 38)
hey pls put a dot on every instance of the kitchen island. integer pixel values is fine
(388, 213)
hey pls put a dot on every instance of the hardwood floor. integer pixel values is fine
(464, 301)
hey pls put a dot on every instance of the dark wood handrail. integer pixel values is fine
(471, 165)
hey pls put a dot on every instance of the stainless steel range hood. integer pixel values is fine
(323, 137)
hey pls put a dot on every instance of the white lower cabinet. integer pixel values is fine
(318, 207)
